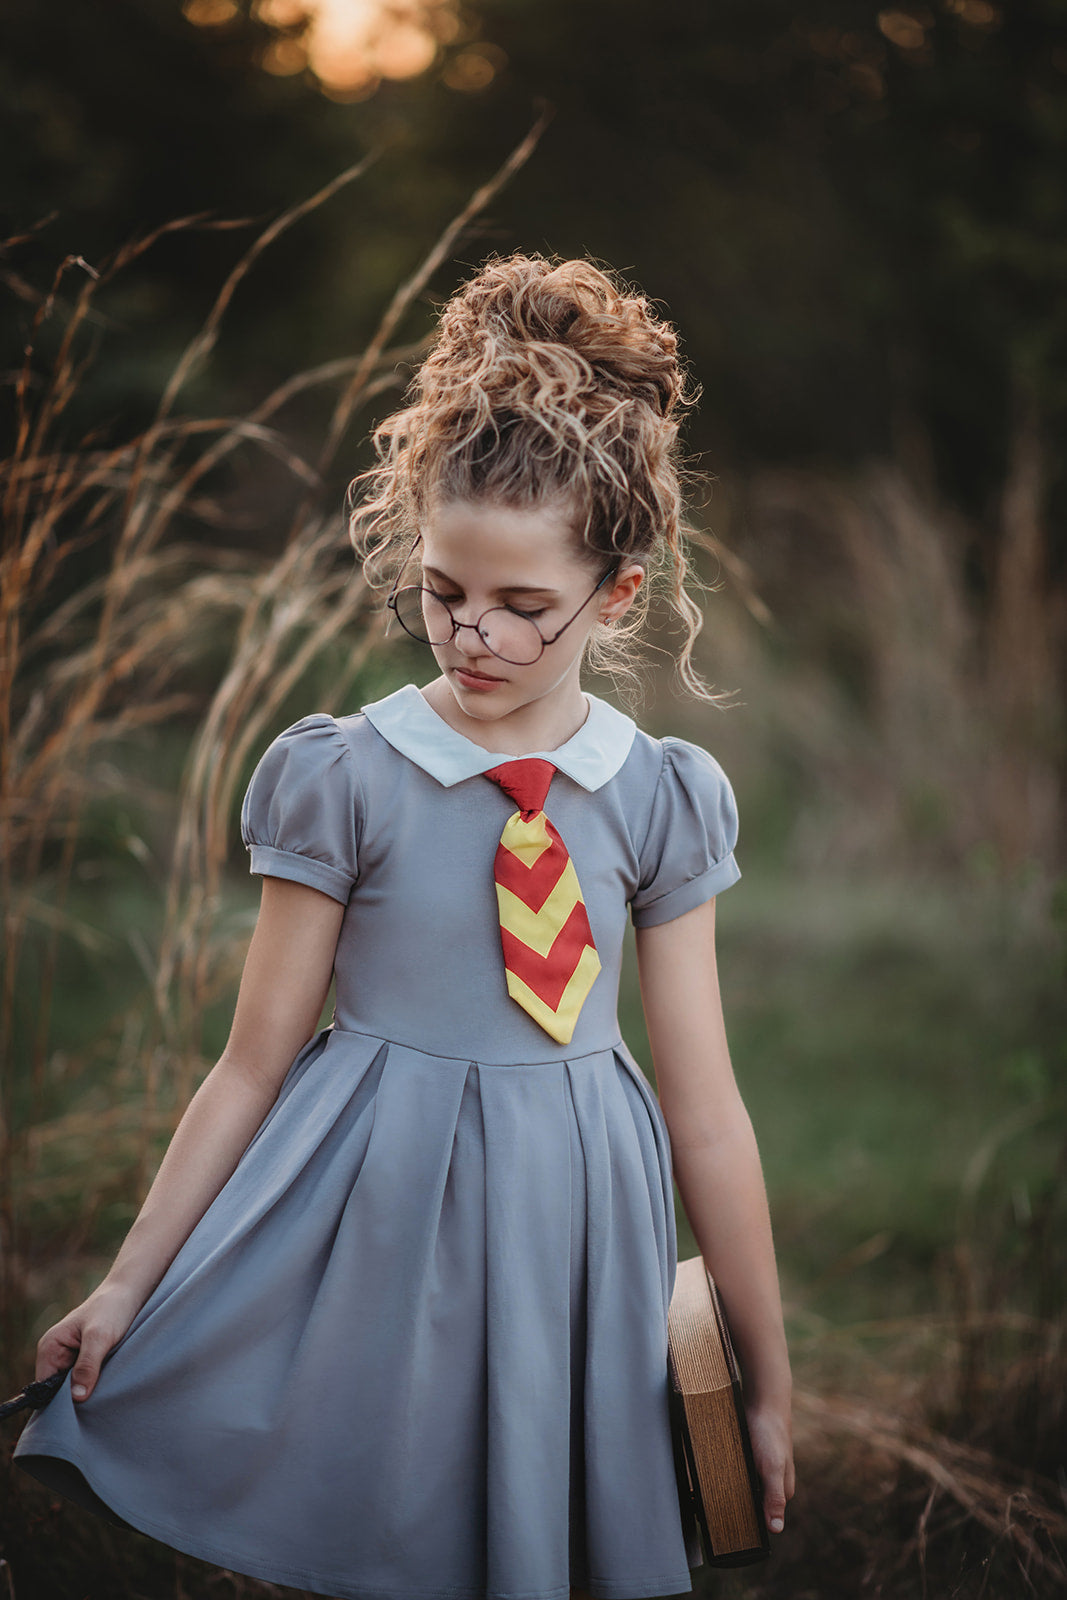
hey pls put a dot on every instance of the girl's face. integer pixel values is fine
(476, 555)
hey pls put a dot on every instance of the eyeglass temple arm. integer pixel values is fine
(613, 568)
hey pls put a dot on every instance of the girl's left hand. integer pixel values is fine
(772, 1447)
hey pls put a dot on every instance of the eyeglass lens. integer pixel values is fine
(506, 633)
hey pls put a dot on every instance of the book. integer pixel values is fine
(718, 1485)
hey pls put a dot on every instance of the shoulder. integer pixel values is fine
(301, 816)
(672, 763)
(687, 852)
(309, 764)
(323, 737)
(315, 745)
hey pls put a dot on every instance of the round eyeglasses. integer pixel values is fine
(507, 633)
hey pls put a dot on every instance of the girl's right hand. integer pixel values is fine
(772, 1448)
(85, 1335)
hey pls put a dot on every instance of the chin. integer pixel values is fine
(478, 702)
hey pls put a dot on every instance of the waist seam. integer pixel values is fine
(444, 1055)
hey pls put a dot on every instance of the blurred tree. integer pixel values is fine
(854, 214)
(857, 214)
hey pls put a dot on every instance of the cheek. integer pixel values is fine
(561, 661)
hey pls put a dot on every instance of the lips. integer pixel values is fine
(479, 677)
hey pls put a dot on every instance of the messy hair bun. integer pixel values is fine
(547, 381)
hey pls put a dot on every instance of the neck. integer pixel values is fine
(541, 725)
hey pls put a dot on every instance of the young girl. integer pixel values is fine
(392, 1320)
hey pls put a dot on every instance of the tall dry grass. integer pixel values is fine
(927, 680)
(85, 665)
(924, 707)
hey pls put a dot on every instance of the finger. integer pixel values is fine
(774, 1505)
(55, 1353)
(94, 1347)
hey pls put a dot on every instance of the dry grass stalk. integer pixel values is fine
(1019, 1507)
(1028, 625)
(82, 670)
(930, 753)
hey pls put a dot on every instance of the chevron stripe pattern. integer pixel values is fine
(550, 960)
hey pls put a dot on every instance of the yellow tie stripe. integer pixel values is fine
(550, 958)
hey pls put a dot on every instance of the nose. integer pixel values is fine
(468, 640)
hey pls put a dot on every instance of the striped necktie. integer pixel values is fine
(550, 959)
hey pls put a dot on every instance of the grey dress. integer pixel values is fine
(417, 1344)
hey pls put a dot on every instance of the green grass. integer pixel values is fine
(900, 1046)
(888, 1039)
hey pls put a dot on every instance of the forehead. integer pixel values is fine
(476, 542)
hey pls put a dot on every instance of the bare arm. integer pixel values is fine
(283, 988)
(717, 1169)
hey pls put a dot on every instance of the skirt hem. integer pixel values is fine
(339, 1588)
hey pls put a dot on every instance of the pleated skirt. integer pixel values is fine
(416, 1346)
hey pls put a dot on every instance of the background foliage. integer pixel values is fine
(217, 274)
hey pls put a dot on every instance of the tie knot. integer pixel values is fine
(526, 781)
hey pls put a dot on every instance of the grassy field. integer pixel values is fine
(892, 961)
(901, 1051)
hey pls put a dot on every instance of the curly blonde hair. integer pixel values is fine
(548, 381)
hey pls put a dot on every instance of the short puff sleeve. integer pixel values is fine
(301, 813)
(687, 856)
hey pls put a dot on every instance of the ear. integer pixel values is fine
(622, 594)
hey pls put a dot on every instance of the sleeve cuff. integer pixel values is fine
(272, 863)
(694, 893)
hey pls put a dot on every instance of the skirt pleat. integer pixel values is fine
(416, 1346)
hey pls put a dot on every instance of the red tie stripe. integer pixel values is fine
(550, 960)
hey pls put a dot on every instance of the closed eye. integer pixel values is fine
(455, 599)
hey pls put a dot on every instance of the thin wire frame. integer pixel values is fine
(391, 603)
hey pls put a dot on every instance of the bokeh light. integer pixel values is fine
(350, 46)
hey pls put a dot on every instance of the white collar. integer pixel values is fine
(407, 720)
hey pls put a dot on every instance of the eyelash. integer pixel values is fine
(450, 599)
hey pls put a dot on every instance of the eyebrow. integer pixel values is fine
(505, 588)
